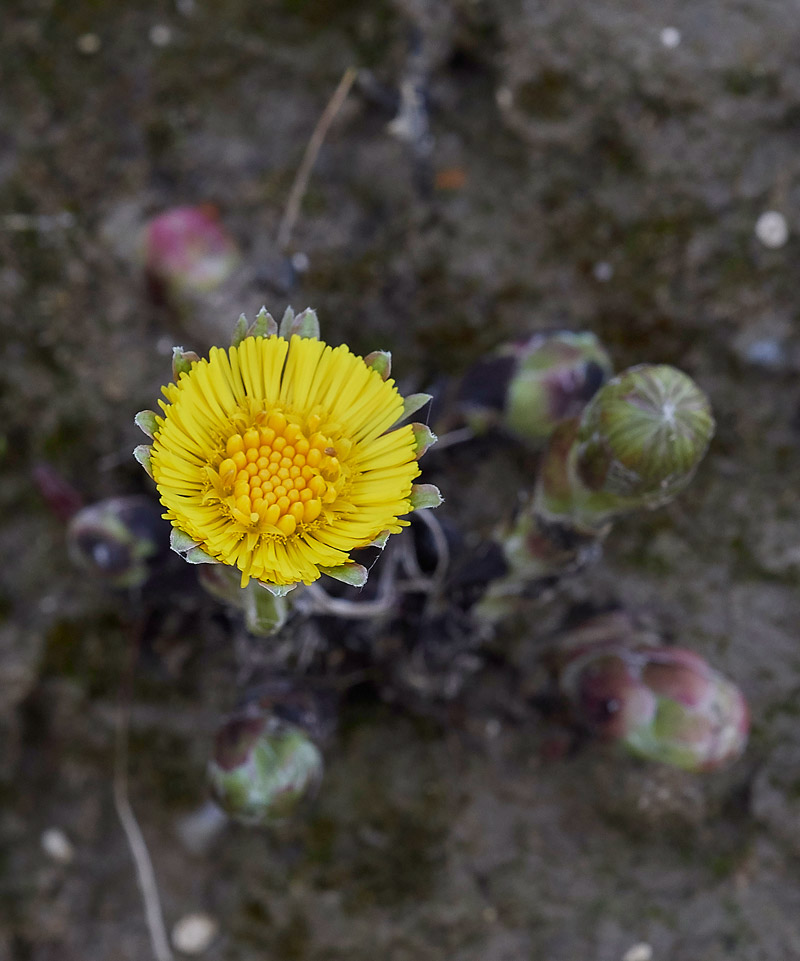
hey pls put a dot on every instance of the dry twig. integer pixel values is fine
(145, 875)
(312, 149)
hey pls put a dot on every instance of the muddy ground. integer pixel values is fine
(571, 165)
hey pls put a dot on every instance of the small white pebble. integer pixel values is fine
(88, 44)
(193, 933)
(49, 603)
(772, 229)
(670, 37)
(765, 353)
(160, 35)
(603, 271)
(504, 97)
(57, 846)
(300, 262)
(493, 728)
(638, 952)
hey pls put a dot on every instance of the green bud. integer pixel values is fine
(147, 422)
(425, 495)
(412, 403)
(424, 438)
(531, 386)
(239, 331)
(380, 361)
(182, 361)
(263, 768)
(641, 438)
(265, 325)
(352, 574)
(304, 324)
(556, 375)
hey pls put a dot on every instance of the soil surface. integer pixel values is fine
(500, 167)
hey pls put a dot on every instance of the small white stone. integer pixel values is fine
(160, 35)
(300, 262)
(57, 846)
(88, 44)
(493, 728)
(670, 37)
(504, 97)
(193, 933)
(766, 352)
(603, 271)
(772, 229)
(639, 952)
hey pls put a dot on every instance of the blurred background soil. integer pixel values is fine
(590, 166)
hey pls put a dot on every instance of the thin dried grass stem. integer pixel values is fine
(309, 157)
(145, 875)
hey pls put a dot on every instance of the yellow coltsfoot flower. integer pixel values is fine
(281, 455)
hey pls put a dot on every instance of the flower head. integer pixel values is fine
(279, 456)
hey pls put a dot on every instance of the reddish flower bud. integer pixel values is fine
(531, 386)
(664, 704)
(187, 250)
(263, 768)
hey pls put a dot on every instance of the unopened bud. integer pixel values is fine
(119, 539)
(263, 768)
(663, 704)
(642, 436)
(186, 250)
(531, 386)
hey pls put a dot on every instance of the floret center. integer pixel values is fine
(276, 476)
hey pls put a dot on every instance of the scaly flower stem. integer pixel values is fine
(636, 445)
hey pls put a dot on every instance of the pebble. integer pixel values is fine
(160, 35)
(88, 44)
(772, 229)
(766, 352)
(493, 728)
(504, 97)
(193, 933)
(57, 846)
(670, 37)
(639, 952)
(300, 262)
(603, 271)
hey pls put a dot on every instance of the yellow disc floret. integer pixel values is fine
(277, 457)
(275, 479)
